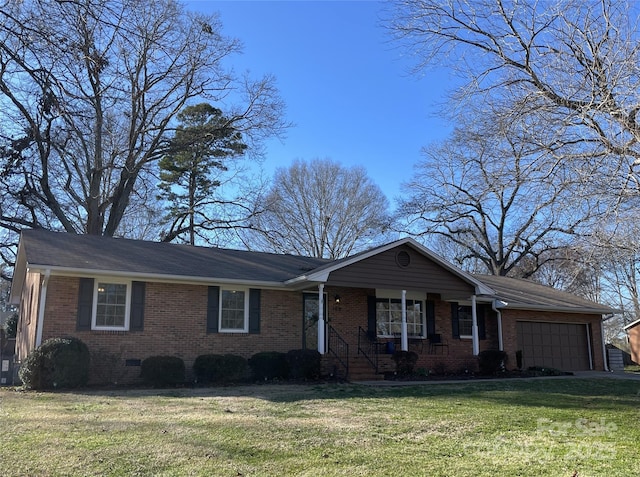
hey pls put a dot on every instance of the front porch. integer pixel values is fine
(398, 298)
(372, 358)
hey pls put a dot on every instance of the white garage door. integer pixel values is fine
(563, 346)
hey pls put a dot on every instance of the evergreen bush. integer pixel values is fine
(58, 363)
(217, 368)
(304, 364)
(405, 362)
(491, 361)
(162, 371)
(268, 365)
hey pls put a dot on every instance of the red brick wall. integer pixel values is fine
(352, 312)
(174, 324)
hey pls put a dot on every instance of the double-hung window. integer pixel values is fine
(234, 310)
(389, 317)
(111, 304)
(465, 321)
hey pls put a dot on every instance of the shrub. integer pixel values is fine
(162, 371)
(440, 368)
(491, 361)
(207, 367)
(269, 365)
(405, 362)
(217, 368)
(57, 364)
(236, 368)
(11, 326)
(304, 364)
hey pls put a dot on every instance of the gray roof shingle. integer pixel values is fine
(527, 295)
(95, 253)
(91, 254)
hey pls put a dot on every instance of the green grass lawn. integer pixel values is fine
(542, 427)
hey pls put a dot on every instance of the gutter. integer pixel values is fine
(156, 277)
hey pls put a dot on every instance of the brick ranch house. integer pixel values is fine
(129, 299)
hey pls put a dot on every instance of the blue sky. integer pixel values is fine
(347, 87)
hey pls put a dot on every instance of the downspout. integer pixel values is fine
(474, 327)
(604, 348)
(495, 305)
(41, 307)
(321, 322)
(404, 341)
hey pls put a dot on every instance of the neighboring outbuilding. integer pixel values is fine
(633, 334)
(129, 299)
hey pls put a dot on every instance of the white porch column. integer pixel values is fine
(404, 341)
(321, 323)
(474, 327)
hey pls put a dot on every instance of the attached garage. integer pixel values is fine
(564, 346)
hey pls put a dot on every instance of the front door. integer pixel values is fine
(310, 318)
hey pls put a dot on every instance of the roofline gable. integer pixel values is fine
(321, 274)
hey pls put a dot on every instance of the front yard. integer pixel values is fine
(541, 427)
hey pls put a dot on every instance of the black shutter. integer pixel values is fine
(137, 306)
(85, 304)
(455, 329)
(431, 318)
(482, 333)
(213, 309)
(372, 322)
(254, 310)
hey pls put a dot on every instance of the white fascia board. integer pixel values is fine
(560, 309)
(19, 276)
(631, 325)
(534, 307)
(156, 277)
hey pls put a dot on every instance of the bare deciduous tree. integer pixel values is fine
(89, 90)
(499, 198)
(320, 209)
(573, 64)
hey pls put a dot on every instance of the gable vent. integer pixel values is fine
(403, 259)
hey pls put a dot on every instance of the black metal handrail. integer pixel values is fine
(368, 347)
(338, 348)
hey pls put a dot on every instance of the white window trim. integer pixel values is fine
(127, 311)
(246, 311)
(414, 297)
(467, 304)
